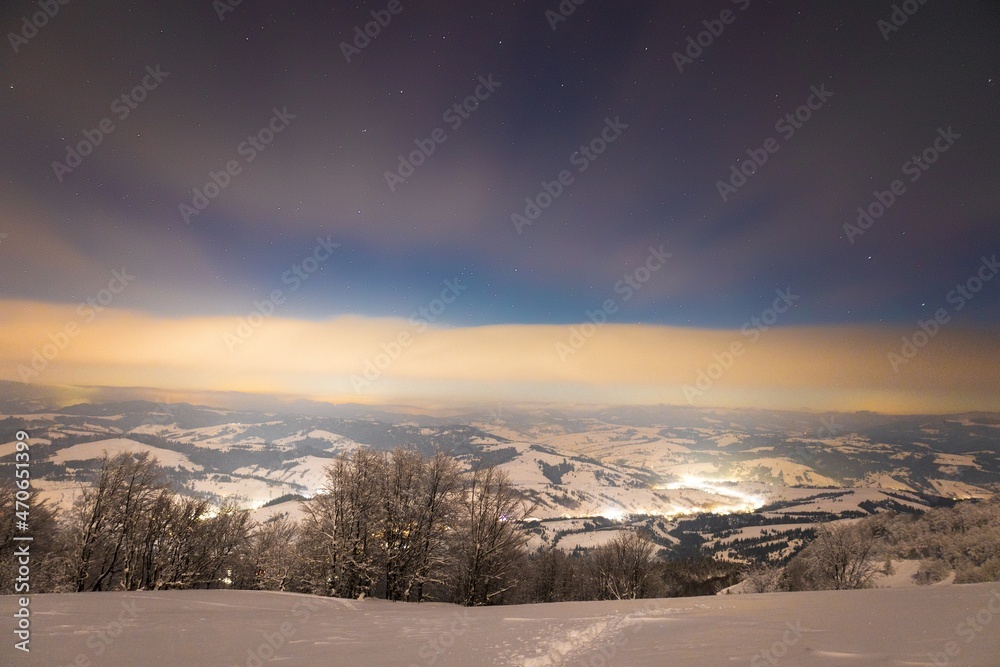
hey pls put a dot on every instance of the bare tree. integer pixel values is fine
(270, 561)
(624, 568)
(440, 487)
(551, 575)
(214, 546)
(175, 561)
(765, 579)
(108, 517)
(399, 521)
(843, 556)
(491, 540)
(48, 566)
(342, 526)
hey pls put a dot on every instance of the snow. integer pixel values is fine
(60, 494)
(306, 471)
(727, 440)
(902, 575)
(887, 482)
(958, 490)
(8, 448)
(588, 540)
(850, 499)
(956, 460)
(707, 469)
(243, 490)
(788, 472)
(291, 508)
(903, 626)
(114, 446)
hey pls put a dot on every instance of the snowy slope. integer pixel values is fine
(911, 626)
(114, 446)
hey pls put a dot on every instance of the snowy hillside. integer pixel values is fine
(954, 625)
(648, 466)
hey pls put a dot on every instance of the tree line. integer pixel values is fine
(396, 525)
(963, 540)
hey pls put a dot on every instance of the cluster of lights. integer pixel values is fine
(747, 502)
(743, 502)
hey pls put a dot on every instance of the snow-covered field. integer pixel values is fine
(940, 625)
(114, 446)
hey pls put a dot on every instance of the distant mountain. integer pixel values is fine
(588, 469)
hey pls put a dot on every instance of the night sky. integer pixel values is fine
(823, 107)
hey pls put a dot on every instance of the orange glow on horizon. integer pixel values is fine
(813, 368)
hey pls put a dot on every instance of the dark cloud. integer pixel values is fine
(324, 174)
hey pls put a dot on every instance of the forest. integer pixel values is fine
(406, 526)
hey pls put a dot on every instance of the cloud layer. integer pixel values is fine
(378, 360)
